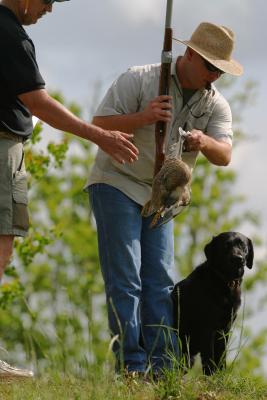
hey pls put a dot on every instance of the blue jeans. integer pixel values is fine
(136, 263)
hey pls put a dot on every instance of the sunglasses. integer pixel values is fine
(211, 67)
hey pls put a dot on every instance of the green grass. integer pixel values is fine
(102, 386)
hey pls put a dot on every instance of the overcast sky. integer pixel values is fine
(86, 41)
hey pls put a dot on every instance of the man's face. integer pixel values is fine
(201, 76)
(32, 10)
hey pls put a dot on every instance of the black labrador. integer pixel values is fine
(206, 302)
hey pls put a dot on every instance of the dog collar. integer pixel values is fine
(235, 284)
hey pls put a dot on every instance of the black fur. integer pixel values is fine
(206, 302)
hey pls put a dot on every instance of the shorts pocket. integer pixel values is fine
(20, 201)
(19, 188)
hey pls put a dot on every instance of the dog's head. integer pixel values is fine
(229, 253)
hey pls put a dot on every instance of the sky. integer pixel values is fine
(84, 45)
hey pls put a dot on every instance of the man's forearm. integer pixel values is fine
(124, 122)
(218, 153)
(158, 109)
(56, 115)
(116, 144)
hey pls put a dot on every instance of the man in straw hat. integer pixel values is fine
(22, 95)
(137, 261)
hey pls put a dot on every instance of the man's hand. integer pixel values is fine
(195, 141)
(118, 145)
(216, 151)
(158, 109)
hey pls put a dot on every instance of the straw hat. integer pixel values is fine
(215, 43)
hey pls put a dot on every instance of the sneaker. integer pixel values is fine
(6, 371)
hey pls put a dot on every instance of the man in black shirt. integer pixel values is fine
(22, 95)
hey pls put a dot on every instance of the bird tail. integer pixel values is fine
(155, 220)
(147, 210)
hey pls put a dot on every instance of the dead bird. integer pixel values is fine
(170, 186)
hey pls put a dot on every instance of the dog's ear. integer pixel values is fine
(250, 255)
(208, 249)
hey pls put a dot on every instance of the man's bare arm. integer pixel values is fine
(116, 144)
(217, 152)
(157, 109)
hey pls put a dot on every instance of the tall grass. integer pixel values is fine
(84, 379)
(99, 385)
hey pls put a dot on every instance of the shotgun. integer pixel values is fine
(164, 85)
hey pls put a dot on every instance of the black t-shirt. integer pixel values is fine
(19, 74)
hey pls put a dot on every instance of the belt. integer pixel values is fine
(11, 136)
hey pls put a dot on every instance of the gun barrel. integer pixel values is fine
(168, 20)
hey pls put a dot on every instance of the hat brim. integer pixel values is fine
(230, 67)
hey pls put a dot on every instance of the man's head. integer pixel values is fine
(214, 43)
(29, 11)
(208, 56)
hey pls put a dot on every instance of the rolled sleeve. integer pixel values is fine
(220, 123)
(123, 95)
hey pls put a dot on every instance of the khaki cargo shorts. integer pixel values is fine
(14, 217)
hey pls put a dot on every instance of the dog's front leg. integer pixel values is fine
(207, 353)
(213, 352)
(187, 359)
(220, 345)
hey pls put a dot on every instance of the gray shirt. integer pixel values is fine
(206, 110)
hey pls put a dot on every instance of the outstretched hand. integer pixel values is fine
(118, 145)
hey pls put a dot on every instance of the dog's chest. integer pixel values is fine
(223, 296)
(204, 302)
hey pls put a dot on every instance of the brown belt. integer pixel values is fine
(11, 136)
